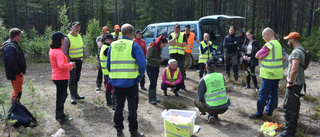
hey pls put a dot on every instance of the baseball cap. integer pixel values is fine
(116, 27)
(105, 28)
(210, 63)
(75, 23)
(187, 27)
(293, 35)
(138, 31)
(57, 35)
(108, 36)
(176, 25)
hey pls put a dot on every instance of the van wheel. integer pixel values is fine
(190, 63)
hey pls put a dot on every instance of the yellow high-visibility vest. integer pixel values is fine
(271, 65)
(103, 60)
(76, 46)
(177, 49)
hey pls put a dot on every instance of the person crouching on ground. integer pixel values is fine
(106, 40)
(153, 62)
(171, 77)
(60, 73)
(212, 96)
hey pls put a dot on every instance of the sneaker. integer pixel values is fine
(253, 116)
(98, 88)
(210, 119)
(247, 87)
(287, 133)
(136, 134)
(176, 93)
(257, 89)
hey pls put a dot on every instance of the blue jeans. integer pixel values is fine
(268, 89)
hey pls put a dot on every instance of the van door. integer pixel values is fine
(211, 24)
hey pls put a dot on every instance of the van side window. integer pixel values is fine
(170, 30)
(149, 33)
(162, 30)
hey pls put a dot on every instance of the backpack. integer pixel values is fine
(307, 59)
(22, 115)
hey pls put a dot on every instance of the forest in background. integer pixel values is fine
(37, 17)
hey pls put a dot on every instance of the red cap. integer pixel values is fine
(116, 27)
(293, 35)
(105, 28)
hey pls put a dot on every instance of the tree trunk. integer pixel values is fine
(15, 13)
(302, 18)
(310, 18)
(253, 15)
(275, 16)
(26, 18)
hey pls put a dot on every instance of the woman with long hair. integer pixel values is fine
(249, 50)
(60, 74)
(153, 63)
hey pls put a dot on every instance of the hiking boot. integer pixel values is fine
(64, 120)
(253, 116)
(165, 93)
(216, 116)
(153, 102)
(136, 134)
(210, 119)
(176, 93)
(287, 133)
(143, 88)
(158, 100)
(80, 97)
(120, 133)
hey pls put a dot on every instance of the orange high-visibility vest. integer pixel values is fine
(190, 44)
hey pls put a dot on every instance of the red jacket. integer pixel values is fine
(142, 44)
(60, 66)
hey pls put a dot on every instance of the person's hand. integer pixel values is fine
(161, 60)
(176, 35)
(288, 85)
(245, 57)
(208, 45)
(248, 58)
(173, 84)
(73, 65)
(82, 59)
(235, 42)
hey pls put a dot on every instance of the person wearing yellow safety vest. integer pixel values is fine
(177, 43)
(106, 40)
(74, 50)
(205, 48)
(271, 72)
(191, 37)
(211, 95)
(172, 77)
(117, 34)
(126, 65)
(104, 31)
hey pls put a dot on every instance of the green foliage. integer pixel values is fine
(174, 105)
(312, 43)
(64, 20)
(93, 31)
(3, 96)
(98, 101)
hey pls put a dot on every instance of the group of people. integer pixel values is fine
(123, 62)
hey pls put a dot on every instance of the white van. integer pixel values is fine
(208, 24)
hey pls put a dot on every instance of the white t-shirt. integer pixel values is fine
(249, 49)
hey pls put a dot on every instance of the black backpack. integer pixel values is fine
(22, 115)
(307, 59)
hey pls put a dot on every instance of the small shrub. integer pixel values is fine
(310, 98)
(194, 87)
(98, 101)
(174, 105)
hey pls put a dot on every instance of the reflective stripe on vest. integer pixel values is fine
(76, 46)
(114, 34)
(190, 44)
(175, 75)
(122, 64)
(216, 91)
(177, 49)
(103, 60)
(204, 57)
(271, 65)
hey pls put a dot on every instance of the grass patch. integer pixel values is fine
(174, 105)
(195, 87)
(242, 112)
(302, 129)
(255, 94)
(311, 99)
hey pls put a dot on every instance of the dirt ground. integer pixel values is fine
(92, 118)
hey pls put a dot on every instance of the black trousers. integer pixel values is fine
(132, 96)
(99, 76)
(201, 105)
(153, 73)
(202, 68)
(62, 94)
(75, 73)
(251, 73)
(143, 81)
(291, 107)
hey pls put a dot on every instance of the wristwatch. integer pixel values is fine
(290, 83)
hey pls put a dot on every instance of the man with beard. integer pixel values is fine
(296, 80)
